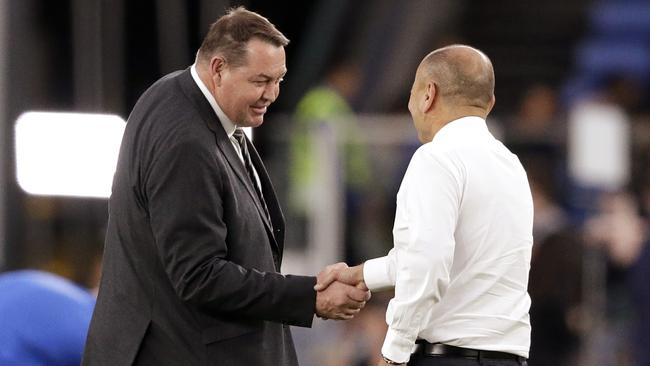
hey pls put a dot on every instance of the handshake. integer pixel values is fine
(341, 292)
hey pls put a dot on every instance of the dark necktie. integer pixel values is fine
(248, 164)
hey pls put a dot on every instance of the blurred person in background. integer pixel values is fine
(556, 298)
(536, 134)
(326, 108)
(549, 216)
(536, 120)
(328, 104)
(194, 243)
(640, 275)
(555, 285)
(43, 319)
(621, 234)
(613, 230)
(462, 232)
(556, 270)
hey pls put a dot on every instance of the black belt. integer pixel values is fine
(439, 349)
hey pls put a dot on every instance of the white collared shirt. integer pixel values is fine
(227, 124)
(462, 247)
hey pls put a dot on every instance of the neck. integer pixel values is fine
(449, 115)
(457, 112)
(205, 77)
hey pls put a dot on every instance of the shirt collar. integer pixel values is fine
(473, 123)
(227, 124)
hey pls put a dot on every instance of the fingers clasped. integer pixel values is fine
(342, 273)
(341, 292)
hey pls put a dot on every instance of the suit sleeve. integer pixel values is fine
(186, 215)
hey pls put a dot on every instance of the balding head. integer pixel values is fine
(463, 75)
(451, 83)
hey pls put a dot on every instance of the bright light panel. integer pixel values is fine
(67, 154)
(599, 146)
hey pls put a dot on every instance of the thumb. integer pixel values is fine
(326, 280)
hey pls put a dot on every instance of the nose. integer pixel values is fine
(271, 92)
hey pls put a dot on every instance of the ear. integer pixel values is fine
(489, 109)
(429, 97)
(217, 66)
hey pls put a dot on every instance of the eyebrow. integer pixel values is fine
(271, 77)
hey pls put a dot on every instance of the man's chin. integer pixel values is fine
(255, 121)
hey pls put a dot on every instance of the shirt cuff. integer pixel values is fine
(376, 274)
(397, 347)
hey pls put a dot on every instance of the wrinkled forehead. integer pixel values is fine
(264, 55)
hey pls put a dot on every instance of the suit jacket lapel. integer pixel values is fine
(269, 196)
(223, 142)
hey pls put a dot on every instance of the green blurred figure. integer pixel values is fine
(325, 111)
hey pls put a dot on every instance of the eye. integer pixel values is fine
(259, 82)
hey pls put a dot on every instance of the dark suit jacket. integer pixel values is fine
(191, 264)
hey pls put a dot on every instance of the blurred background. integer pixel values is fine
(572, 82)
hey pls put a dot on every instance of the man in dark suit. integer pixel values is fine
(195, 234)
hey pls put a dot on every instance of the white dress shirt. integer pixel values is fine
(462, 247)
(227, 124)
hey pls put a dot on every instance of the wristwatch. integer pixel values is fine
(391, 362)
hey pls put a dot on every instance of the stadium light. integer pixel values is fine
(67, 154)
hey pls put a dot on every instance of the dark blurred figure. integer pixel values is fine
(640, 279)
(537, 119)
(555, 276)
(43, 319)
(619, 233)
(555, 292)
(623, 90)
(639, 276)
(550, 218)
(536, 134)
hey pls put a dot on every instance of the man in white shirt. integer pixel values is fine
(462, 232)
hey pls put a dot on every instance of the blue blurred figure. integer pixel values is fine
(43, 319)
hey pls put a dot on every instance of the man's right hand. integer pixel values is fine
(340, 301)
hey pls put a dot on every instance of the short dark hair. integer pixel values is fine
(230, 34)
(463, 74)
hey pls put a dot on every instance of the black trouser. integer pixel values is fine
(426, 360)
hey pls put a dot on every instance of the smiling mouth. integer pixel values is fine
(259, 110)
